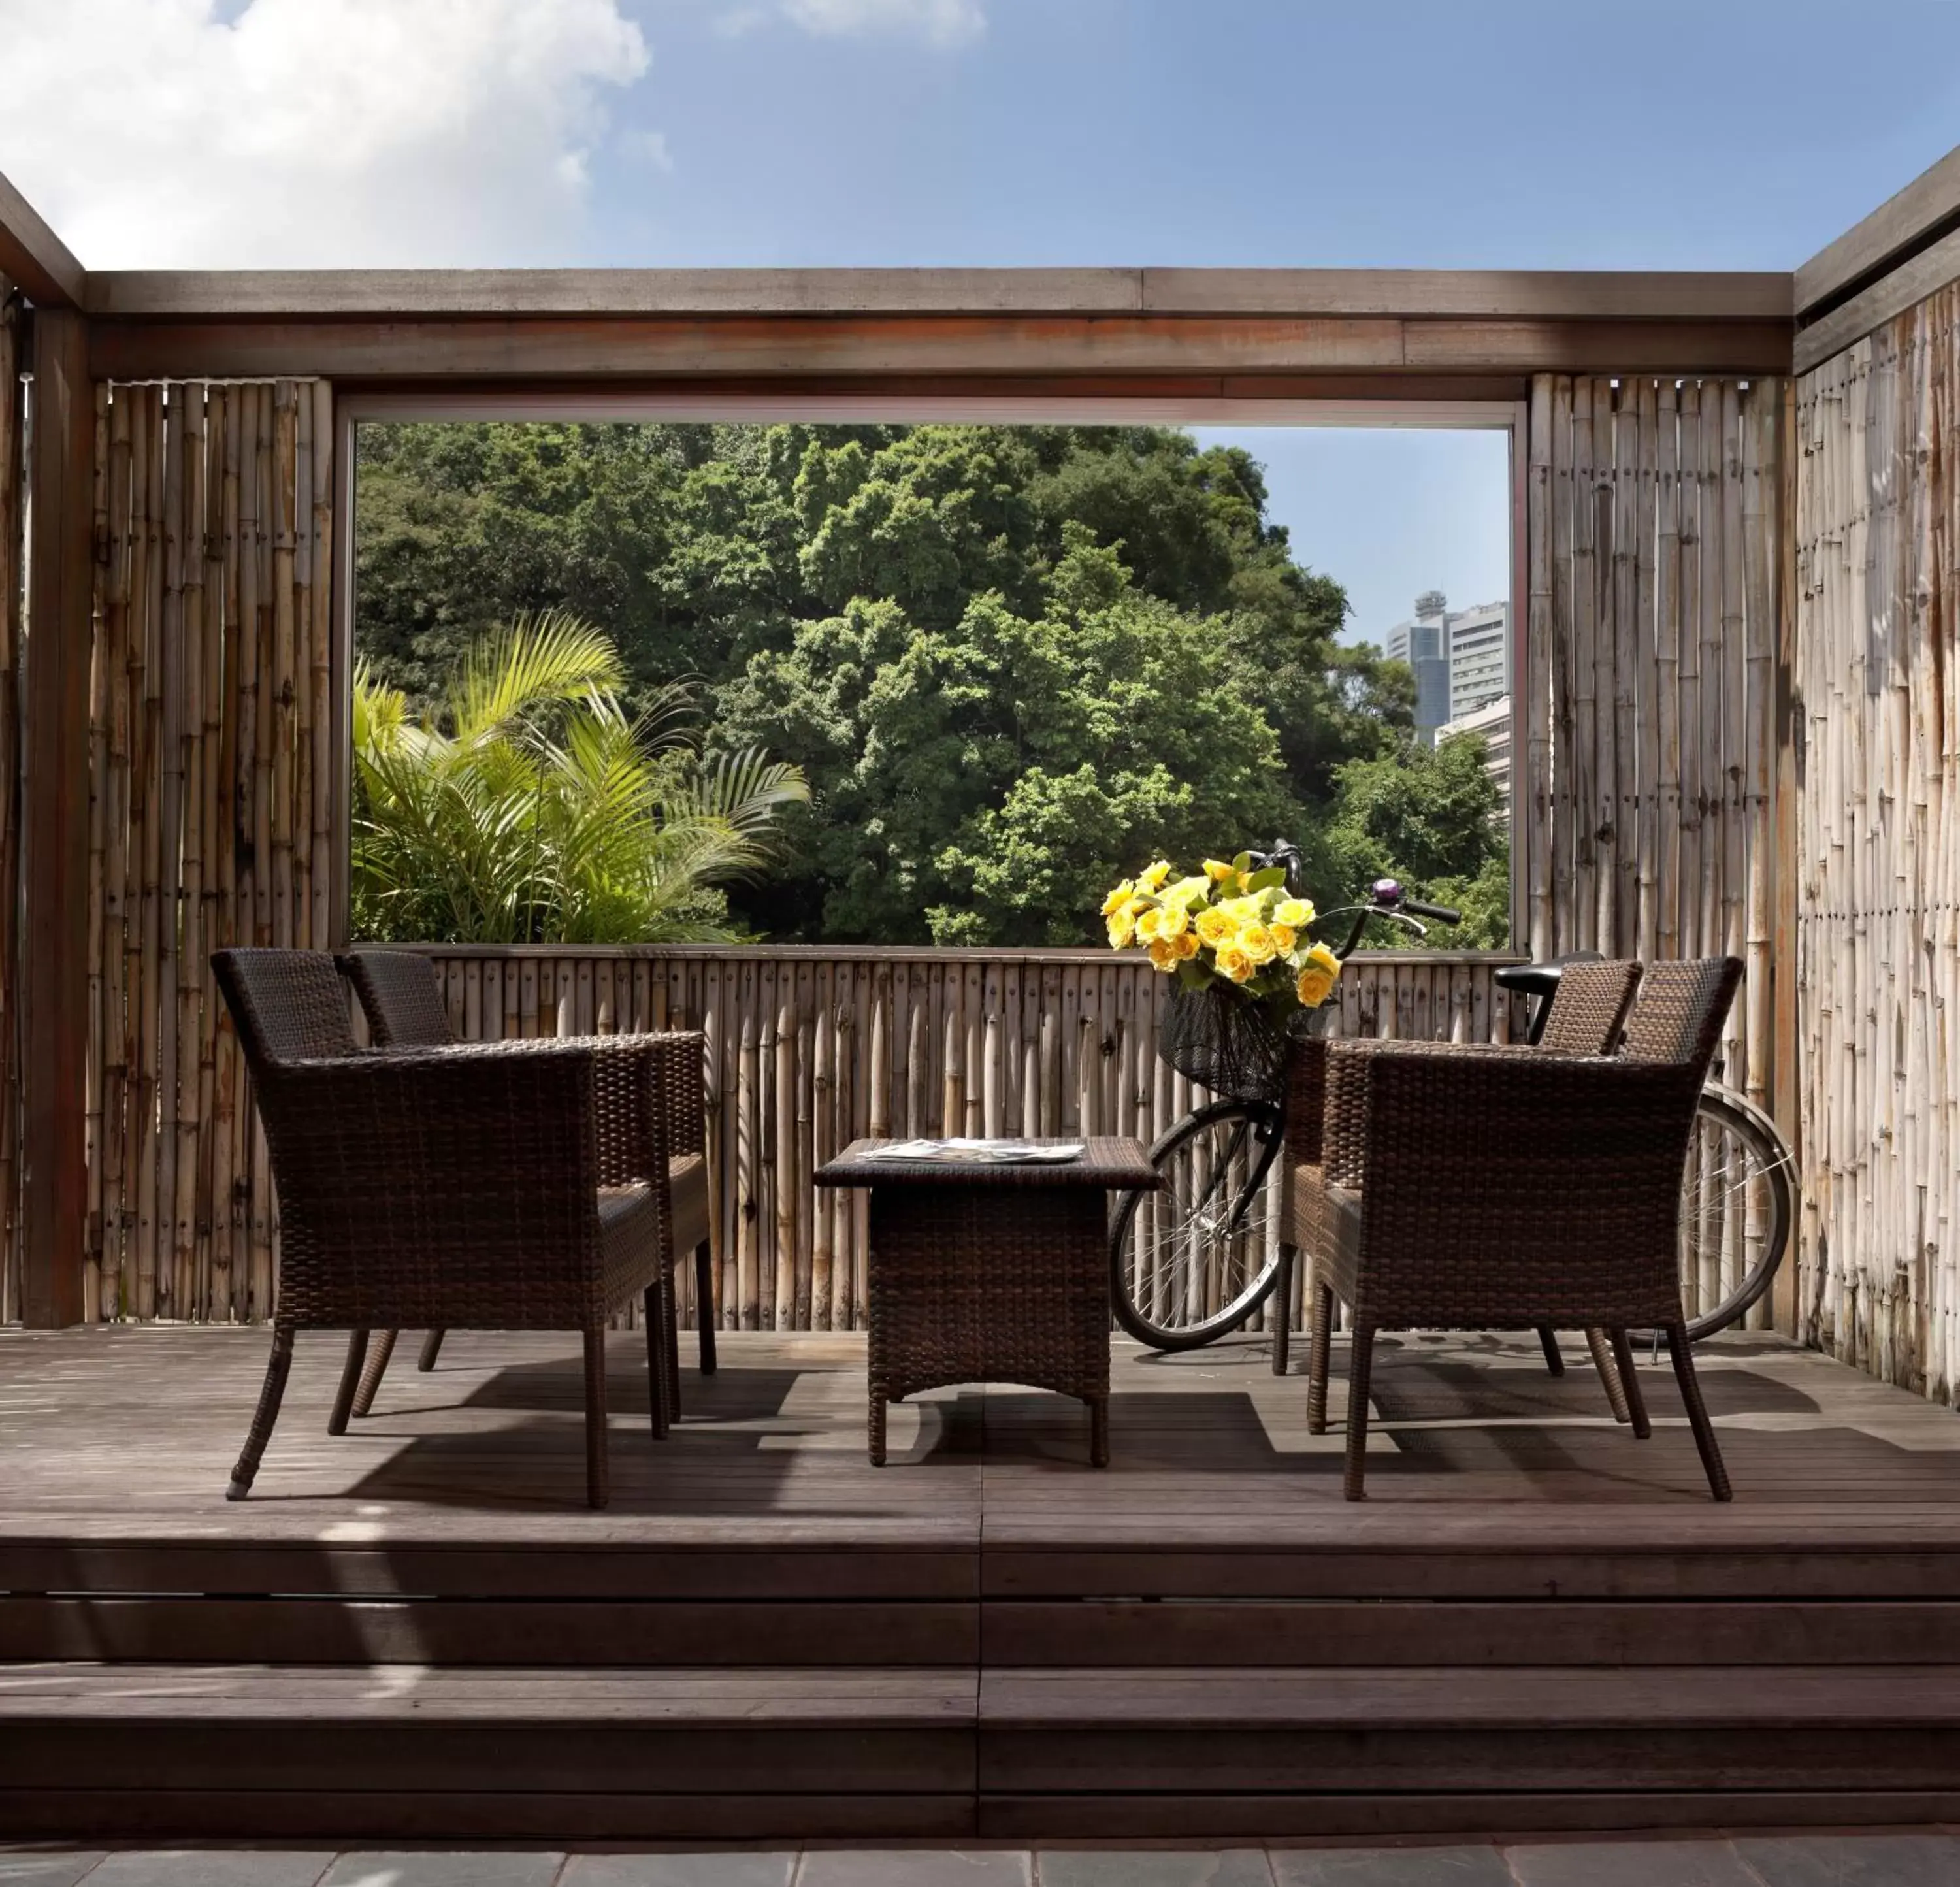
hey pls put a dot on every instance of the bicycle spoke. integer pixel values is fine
(1197, 1257)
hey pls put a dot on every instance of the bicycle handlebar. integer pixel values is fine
(1436, 913)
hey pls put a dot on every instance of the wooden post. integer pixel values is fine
(54, 976)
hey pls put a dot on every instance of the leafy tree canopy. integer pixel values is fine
(1010, 661)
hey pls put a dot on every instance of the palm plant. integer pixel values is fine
(531, 809)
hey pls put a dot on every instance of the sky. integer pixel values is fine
(1571, 134)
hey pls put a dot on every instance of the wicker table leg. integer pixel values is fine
(1099, 1431)
(986, 1280)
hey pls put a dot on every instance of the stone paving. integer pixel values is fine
(1917, 1858)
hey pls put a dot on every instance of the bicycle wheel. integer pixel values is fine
(1738, 1200)
(1196, 1260)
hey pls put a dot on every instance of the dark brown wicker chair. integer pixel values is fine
(1588, 1012)
(518, 1187)
(1469, 1189)
(401, 995)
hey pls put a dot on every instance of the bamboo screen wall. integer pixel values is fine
(1653, 566)
(1649, 728)
(210, 720)
(13, 521)
(1878, 676)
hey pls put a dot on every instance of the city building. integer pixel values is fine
(1460, 658)
(1424, 642)
(1493, 720)
(1479, 658)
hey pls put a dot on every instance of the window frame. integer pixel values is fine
(844, 405)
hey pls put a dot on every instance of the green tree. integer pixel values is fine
(1009, 659)
(532, 810)
(982, 783)
(1433, 817)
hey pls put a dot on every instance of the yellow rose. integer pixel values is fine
(1118, 899)
(1297, 912)
(1173, 921)
(1164, 953)
(1147, 925)
(1219, 872)
(1316, 979)
(1232, 962)
(1185, 943)
(1188, 891)
(1283, 938)
(1122, 929)
(1313, 986)
(1241, 910)
(1215, 926)
(1256, 942)
(1153, 880)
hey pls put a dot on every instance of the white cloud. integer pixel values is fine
(652, 147)
(179, 133)
(940, 22)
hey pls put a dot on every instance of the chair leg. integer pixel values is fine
(597, 1493)
(1548, 1339)
(704, 1304)
(1281, 1312)
(1597, 1342)
(657, 1381)
(1683, 1355)
(1320, 1348)
(670, 1318)
(1630, 1384)
(350, 1381)
(265, 1415)
(370, 1377)
(432, 1349)
(1360, 1365)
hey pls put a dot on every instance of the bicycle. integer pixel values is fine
(1196, 1261)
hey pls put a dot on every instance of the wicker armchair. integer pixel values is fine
(463, 1187)
(1469, 1189)
(401, 996)
(1588, 1011)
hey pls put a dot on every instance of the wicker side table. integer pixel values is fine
(991, 1274)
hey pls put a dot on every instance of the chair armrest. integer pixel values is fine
(429, 1183)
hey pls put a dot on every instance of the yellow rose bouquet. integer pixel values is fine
(1225, 925)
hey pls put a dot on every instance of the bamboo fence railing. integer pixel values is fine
(1878, 958)
(209, 721)
(811, 1047)
(13, 521)
(1655, 564)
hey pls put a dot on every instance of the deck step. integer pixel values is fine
(397, 1750)
(1451, 1730)
(900, 1634)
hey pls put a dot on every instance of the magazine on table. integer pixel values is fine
(962, 1152)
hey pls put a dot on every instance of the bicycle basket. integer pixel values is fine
(1230, 1043)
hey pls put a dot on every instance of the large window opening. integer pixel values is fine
(849, 680)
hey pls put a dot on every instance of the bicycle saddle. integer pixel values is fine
(1541, 979)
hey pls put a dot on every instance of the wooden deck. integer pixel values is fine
(416, 1630)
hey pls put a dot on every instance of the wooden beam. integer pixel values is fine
(54, 984)
(1521, 294)
(1907, 221)
(1870, 310)
(850, 347)
(35, 256)
(1516, 294)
